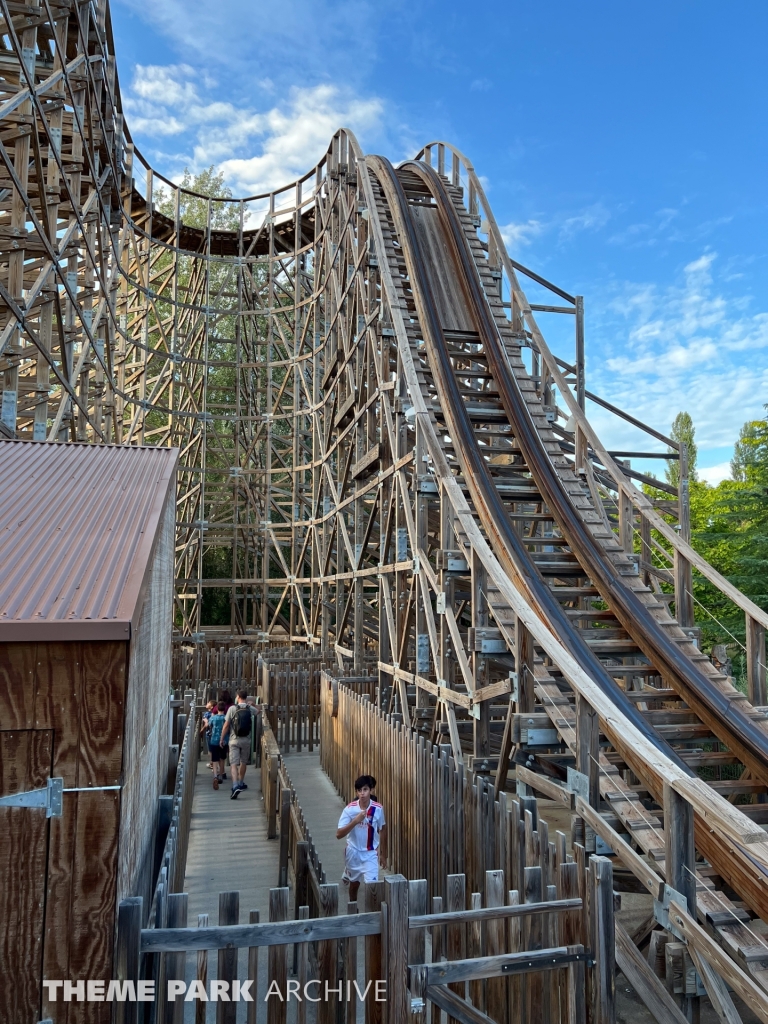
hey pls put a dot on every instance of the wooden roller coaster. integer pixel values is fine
(384, 466)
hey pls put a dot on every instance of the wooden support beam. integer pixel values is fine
(638, 973)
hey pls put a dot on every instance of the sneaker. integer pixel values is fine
(215, 782)
(243, 786)
(235, 793)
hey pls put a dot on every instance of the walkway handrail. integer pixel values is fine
(174, 859)
(285, 819)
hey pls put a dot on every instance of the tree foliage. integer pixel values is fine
(684, 432)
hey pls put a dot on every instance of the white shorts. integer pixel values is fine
(361, 865)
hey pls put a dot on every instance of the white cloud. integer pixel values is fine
(519, 234)
(256, 149)
(655, 351)
(714, 474)
(296, 136)
(592, 218)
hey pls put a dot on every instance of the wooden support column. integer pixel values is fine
(421, 517)
(524, 668)
(680, 856)
(626, 514)
(604, 952)
(683, 573)
(756, 675)
(482, 721)
(581, 386)
(587, 758)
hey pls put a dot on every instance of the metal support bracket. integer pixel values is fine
(661, 910)
(50, 798)
(578, 783)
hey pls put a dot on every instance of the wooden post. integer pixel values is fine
(176, 963)
(277, 961)
(285, 834)
(349, 1006)
(229, 913)
(587, 758)
(756, 675)
(524, 668)
(302, 970)
(398, 1002)
(301, 873)
(580, 374)
(456, 899)
(680, 857)
(626, 515)
(202, 974)
(374, 897)
(496, 988)
(328, 960)
(534, 988)
(683, 573)
(270, 798)
(253, 974)
(438, 945)
(604, 953)
(128, 955)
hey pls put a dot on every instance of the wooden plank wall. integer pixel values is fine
(73, 691)
(147, 729)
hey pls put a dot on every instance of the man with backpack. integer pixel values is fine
(237, 731)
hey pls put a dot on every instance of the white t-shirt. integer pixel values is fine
(365, 835)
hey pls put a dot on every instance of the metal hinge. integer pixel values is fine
(51, 798)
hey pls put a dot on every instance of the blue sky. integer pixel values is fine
(623, 146)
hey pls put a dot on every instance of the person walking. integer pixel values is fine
(237, 730)
(205, 729)
(363, 825)
(218, 752)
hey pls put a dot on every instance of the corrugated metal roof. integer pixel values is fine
(78, 523)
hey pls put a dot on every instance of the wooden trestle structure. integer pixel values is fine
(388, 473)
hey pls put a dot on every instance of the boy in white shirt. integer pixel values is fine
(362, 824)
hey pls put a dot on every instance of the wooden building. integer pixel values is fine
(86, 603)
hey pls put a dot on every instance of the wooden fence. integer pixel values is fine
(177, 809)
(509, 958)
(299, 862)
(289, 685)
(442, 819)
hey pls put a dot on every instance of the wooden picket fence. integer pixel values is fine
(492, 956)
(442, 819)
(299, 862)
(289, 684)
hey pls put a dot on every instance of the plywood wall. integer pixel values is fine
(146, 741)
(72, 693)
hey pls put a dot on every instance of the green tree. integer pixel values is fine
(746, 451)
(683, 431)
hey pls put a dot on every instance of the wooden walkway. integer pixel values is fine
(229, 851)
